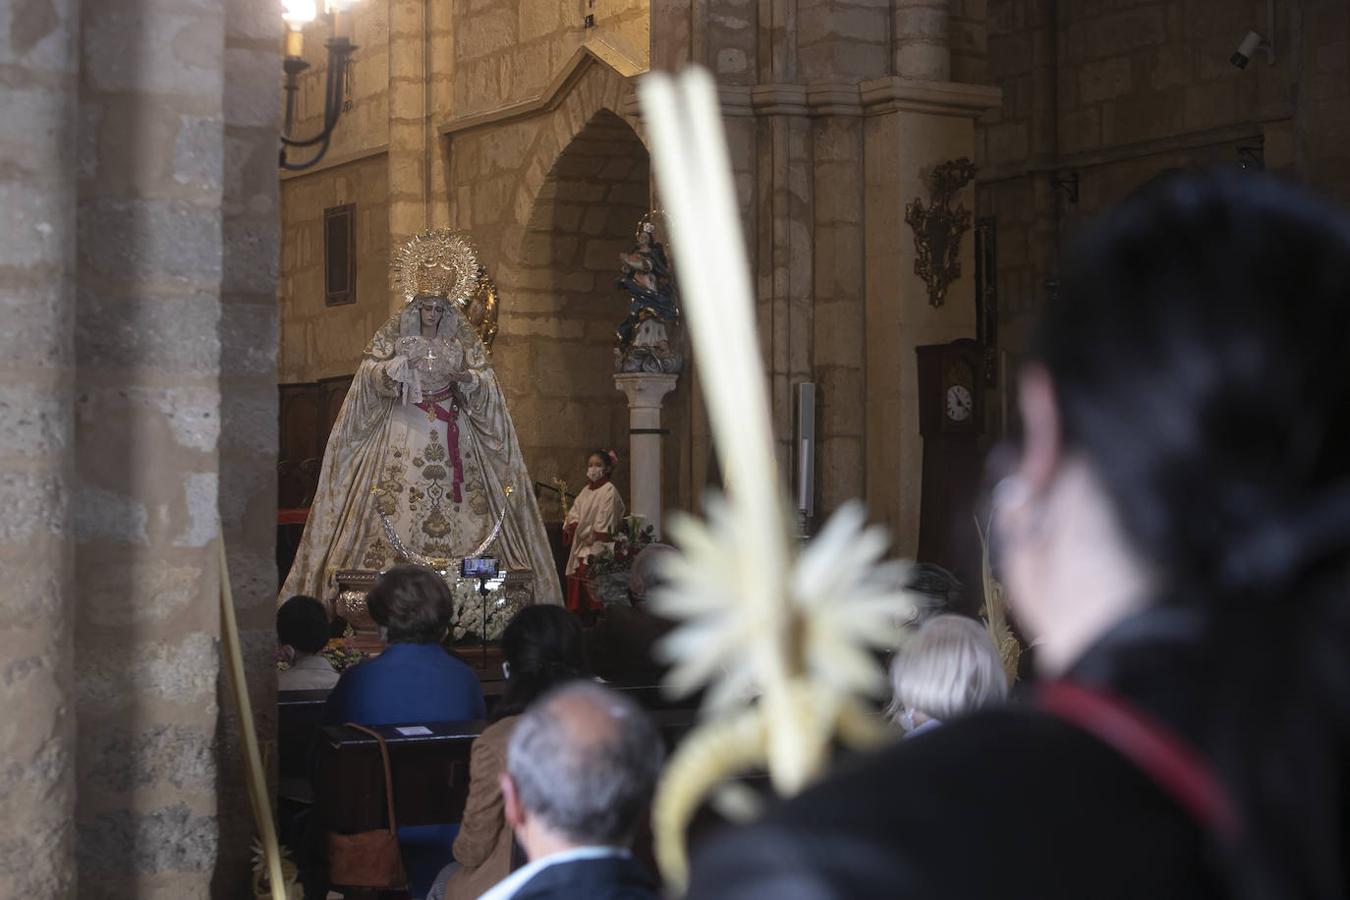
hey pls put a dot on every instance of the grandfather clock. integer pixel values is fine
(951, 422)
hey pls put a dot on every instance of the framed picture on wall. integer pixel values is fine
(339, 254)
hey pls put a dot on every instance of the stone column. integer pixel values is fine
(910, 127)
(250, 231)
(37, 298)
(645, 392)
(920, 44)
(147, 428)
(408, 149)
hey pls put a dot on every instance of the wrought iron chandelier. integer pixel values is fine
(297, 14)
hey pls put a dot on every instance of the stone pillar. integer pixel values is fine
(784, 260)
(37, 299)
(920, 42)
(408, 145)
(909, 128)
(645, 392)
(838, 359)
(148, 413)
(250, 229)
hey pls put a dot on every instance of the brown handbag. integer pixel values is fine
(369, 858)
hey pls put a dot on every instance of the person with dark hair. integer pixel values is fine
(543, 648)
(591, 521)
(936, 591)
(414, 679)
(580, 769)
(1176, 534)
(622, 645)
(302, 625)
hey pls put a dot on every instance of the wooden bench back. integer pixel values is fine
(430, 774)
(299, 717)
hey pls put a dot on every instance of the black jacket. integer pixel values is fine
(1005, 804)
(607, 878)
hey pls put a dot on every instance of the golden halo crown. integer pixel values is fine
(437, 262)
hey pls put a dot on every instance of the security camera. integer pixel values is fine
(1245, 50)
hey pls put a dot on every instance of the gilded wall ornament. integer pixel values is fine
(938, 229)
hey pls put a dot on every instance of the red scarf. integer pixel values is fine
(449, 415)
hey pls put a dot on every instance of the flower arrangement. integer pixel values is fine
(467, 620)
(607, 571)
(337, 651)
(340, 655)
(619, 553)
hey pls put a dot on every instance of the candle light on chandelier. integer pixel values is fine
(297, 14)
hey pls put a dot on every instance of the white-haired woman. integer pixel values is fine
(949, 669)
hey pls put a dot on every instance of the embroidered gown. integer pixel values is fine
(432, 455)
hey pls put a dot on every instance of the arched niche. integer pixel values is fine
(555, 350)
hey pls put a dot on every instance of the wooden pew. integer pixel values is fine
(430, 771)
(300, 715)
(430, 774)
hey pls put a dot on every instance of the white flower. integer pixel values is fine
(841, 600)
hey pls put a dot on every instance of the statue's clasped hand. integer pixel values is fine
(405, 375)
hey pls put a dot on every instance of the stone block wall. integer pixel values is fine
(148, 349)
(317, 340)
(139, 275)
(968, 31)
(839, 318)
(39, 53)
(555, 354)
(1321, 67)
(247, 448)
(1118, 93)
(507, 51)
(837, 41)
(552, 199)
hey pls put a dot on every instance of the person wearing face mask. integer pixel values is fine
(1174, 532)
(594, 516)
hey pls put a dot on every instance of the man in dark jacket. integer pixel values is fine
(580, 770)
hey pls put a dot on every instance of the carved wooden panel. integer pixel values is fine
(334, 394)
(302, 421)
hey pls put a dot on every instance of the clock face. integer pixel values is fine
(959, 403)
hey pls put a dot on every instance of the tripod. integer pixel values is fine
(482, 631)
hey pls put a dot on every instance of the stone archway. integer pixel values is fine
(555, 348)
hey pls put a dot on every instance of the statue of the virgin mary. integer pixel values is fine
(423, 464)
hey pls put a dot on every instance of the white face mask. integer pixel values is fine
(907, 721)
(595, 473)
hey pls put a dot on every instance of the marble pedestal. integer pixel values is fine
(645, 392)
